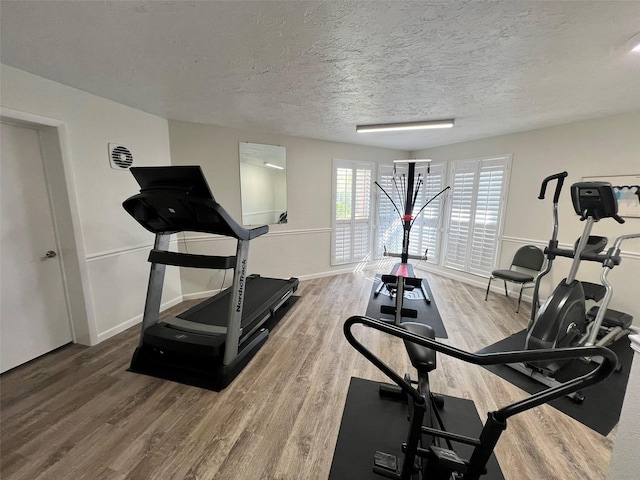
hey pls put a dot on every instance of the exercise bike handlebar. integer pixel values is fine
(600, 373)
(543, 188)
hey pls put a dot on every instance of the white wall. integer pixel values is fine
(113, 246)
(300, 247)
(605, 146)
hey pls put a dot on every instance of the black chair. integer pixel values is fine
(528, 257)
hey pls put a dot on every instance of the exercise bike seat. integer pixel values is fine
(422, 358)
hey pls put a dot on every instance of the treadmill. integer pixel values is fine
(209, 344)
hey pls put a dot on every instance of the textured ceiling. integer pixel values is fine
(316, 69)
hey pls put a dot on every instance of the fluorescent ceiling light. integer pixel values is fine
(413, 160)
(271, 165)
(391, 127)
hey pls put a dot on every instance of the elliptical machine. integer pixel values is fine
(562, 321)
(429, 450)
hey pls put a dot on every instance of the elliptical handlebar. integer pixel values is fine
(618, 241)
(600, 373)
(553, 242)
(610, 260)
(496, 420)
(543, 188)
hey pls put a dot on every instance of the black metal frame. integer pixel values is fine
(503, 274)
(404, 281)
(592, 201)
(175, 199)
(497, 421)
(408, 219)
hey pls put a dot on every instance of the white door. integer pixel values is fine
(33, 313)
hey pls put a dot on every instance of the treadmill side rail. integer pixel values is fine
(181, 323)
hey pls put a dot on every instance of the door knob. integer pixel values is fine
(49, 254)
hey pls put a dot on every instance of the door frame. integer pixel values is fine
(58, 170)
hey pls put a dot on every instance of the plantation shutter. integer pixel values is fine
(362, 213)
(460, 210)
(485, 225)
(342, 216)
(389, 228)
(425, 233)
(477, 197)
(351, 238)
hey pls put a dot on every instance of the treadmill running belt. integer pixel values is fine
(259, 295)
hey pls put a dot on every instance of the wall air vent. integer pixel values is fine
(120, 157)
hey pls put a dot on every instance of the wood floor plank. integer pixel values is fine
(78, 412)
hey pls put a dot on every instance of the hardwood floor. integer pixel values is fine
(78, 414)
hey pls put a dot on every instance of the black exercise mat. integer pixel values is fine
(427, 313)
(372, 423)
(600, 410)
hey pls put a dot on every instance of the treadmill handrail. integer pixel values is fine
(179, 259)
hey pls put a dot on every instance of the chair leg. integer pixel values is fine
(519, 298)
(505, 289)
(488, 286)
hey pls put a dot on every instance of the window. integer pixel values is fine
(351, 234)
(425, 232)
(476, 209)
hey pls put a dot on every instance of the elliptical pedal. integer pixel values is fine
(612, 318)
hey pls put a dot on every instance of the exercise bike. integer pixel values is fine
(562, 320)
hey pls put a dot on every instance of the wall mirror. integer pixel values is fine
(263, 183)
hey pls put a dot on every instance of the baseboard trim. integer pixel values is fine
(499, 289)
(199, 295)
(373, 265)
(133, 321)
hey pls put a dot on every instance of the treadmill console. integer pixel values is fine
(187, 179)
(178, 199)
